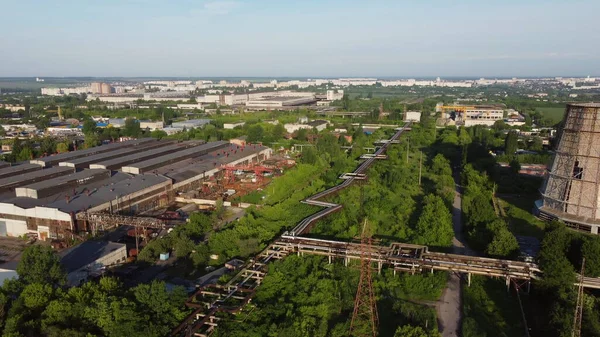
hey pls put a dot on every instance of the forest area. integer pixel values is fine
(307, 296)
(549, 307)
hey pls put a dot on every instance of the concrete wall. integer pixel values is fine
(13, 228)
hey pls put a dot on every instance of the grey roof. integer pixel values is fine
(189, 168)
(31, 177)
(106, 193)
(55, 159)
(190, 123)
(79, 177)
(87, 253)
(317, 122)
(153, 163)
(26, 202)
(18, 169)
(85, 161)
(117, 163)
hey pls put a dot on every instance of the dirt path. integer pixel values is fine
(449, 307)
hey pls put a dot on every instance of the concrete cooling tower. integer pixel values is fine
(571, 191)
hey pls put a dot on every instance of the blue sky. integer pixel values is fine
(299, 38)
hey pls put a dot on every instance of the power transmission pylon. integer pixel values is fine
(365, 319)
(579, 308)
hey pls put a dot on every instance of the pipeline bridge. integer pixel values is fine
(210, 300)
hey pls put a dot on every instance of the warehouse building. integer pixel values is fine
(118, 163)
(90, 259)
(55, 217)
(85, 162)
(188, 174)
(151, 164)
(191, 123)
(16, 170)
(9, 184)
(46, 201)
(56, 159)
(482, 115)
(279, 102)
(50, 187)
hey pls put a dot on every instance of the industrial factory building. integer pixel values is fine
(278, 102)
(42, 198)
(571, 192)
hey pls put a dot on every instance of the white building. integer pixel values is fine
(412, 116)
(481, 116)
(151, 125)
(332, 95)
(171, 130)
(231, 126)
(318, 124)
(12, 107)
(293, 127)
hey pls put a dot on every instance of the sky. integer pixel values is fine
(307, 38)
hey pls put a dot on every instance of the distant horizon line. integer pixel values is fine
(295, 77)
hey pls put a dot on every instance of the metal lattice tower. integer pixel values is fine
(579, 307)
(365, 319)
(571, 191)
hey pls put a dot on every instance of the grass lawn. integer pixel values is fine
(556, 114)
(522, 222)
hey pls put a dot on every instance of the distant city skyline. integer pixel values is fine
(273, 39)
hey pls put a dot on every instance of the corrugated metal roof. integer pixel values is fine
(57, 158)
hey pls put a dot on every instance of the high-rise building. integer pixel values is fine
(106, 88)
(96, 88)
(101, 88)
(571, 191)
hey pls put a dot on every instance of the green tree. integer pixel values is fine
(278, 131)
(164, 309)
(345, 102)
(36, 296)
(504, 243)
(559, 274)
(463, 137)
(536, 144)
(515, 166)
(40, 264)
(47, 146)
(511, 143)
(441, 166)
(309, 155)
(414, 331)
(591, 251)
(91, 140)
(89, 127)
(158, 134)
(255, 133)
(302, 134)
(62, 147)
(25, 154)
(132, 128)
(434, 227)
